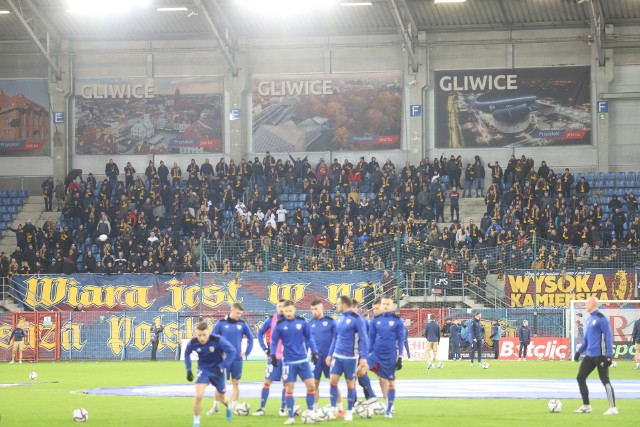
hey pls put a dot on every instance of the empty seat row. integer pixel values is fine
(5, 194)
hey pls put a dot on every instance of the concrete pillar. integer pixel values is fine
(60, 92)
(601, 79)
(238, 95)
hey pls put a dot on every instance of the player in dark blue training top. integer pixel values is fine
(386, 337)
(215, 354)
(349, 345)
(598, 343)
(17, 335)
(271, 373)
(295, 334)
(322, 329)
(233, 328)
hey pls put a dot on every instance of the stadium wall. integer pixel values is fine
(360, 54)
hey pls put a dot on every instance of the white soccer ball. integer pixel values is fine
(103, 237)
(309, 417)
(378, 408)
(440, 365)
(33, 375)
(80, 415)
(365, 411)
(613, 365)
(296, 409)
(554, 405)
(242, 409)
(485, 365)
(324, 413)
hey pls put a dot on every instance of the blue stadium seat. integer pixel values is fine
(227, 214)
(580, 175)
(294, 197)
(595, 199)
(284, 197)
(4, 209)
(444, 179)
(619, 192)
(305, 214)
(7, 217)
(631, 176)
(599, 183)
(19, 201)
(24, 193)
(601, 175)
(621, 184)
(609, 183)
(14, 193)
(94, 249)
(621, 176)
(630, 190)
(608, 191)
(591, 176)
(290, 206)
(606, 199)
(303, 197)
(13, 209)
(4, 194)
(611, 175)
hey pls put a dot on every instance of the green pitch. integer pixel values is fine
(50, 401)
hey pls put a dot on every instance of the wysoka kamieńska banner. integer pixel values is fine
(182, 292)
(521, 107)
(554, 289)
(164, 115)
(323, 112)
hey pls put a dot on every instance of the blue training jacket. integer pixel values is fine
(216, 352)
(296, 338)
(598, 339)
(432, 331)
(233, 331)
(386, 335)
(322, 331)
(524, 333)
(350, 340)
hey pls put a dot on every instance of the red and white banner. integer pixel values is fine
(542, 347)
(418, 347)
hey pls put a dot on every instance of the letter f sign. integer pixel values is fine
(416, 111)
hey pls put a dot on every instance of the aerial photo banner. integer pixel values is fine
(322, 112)
(25, 122)
(522, 107)
(177, 115)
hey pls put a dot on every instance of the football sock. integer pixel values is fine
(351, 398)
(333, 395)
(290, 404)
(391, 397)
(365, 381)
(311, 396)
(264, 396)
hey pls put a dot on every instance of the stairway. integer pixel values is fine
(470, 208)
(32, 210)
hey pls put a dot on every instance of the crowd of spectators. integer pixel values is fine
(348, 217)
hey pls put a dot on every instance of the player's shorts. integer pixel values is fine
(273, 373)
(18, 345)
(384, 367)
(235, 371)
(292, 370)
(341, 366)
(206, 377)
(321, 368)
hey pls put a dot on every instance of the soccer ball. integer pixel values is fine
(365, 411)
(554, 405)
(296, 409)
(440, 365)
(613, 365)
(309, 417)
(33, 375)
(485, 365)
(378, 408)
(80, 415)
(242, 409)
(103, 237)
(324, 413)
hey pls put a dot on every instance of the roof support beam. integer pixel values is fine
(596, 19)
(34, 37)
(506, 17)
(224, 34)
(407, 28)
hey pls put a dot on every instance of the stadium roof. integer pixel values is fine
(146, 23)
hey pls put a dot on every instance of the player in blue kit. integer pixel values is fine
(322, 329)
(349, 345)
(363, 378)
(598, 345)
(272, 373)
(295, 334)
(215, 354)
(233, 328)
(386, 336)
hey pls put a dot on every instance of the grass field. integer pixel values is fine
(50, 401)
